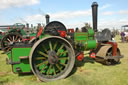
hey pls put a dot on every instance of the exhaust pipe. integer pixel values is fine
(47, 18)
(94, 15)
(27, 25)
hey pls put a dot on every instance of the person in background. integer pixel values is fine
(122, 36)
(113, 36)
(126, 36)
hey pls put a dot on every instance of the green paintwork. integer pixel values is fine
(9, 55)
(90, 32)
(43, 36)
(22, 32)
(2, 33)
(32, 34)
(16, 54)
(1, 36)
(85, 38)
(91, 44)
(81, 37)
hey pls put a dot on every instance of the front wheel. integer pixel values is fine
(112, 61)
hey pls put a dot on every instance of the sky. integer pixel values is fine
(72, 13)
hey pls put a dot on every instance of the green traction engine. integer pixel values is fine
(52, 55)
(16, 33)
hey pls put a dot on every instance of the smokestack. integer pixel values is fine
(47, 18)
(31, 25)
(94, 15)
(27, 25)
(39, 25)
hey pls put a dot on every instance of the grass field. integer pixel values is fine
(86, 74)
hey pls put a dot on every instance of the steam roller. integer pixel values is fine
(51, 55)
(108, 54)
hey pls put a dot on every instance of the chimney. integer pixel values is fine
(27, 25)
(31, 25)
(94, 15)
(47, 18)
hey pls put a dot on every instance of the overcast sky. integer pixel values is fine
(73, 13)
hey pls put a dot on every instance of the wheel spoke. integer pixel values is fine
(13, 38)
(44, 49)
(44, 67)
(42, 53)
(54, 70)
(55, 45)
(63, 64)
(8, 39)
(19, 40)
(49, 69)
(40, 58)
(45, 62)
(60, 49)
(8, 48)
(50, 45)
(63, 52)
(58, 67)
(16, 38)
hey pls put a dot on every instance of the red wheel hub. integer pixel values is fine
(92, 55)
(80, 57)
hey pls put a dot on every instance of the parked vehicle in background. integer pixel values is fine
(15, 33)
(124, 29)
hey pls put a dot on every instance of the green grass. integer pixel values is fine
(86, 74)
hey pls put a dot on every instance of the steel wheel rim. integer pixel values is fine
(55, 69)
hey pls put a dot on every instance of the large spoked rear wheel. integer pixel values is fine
(9, 40)
(52, 58)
